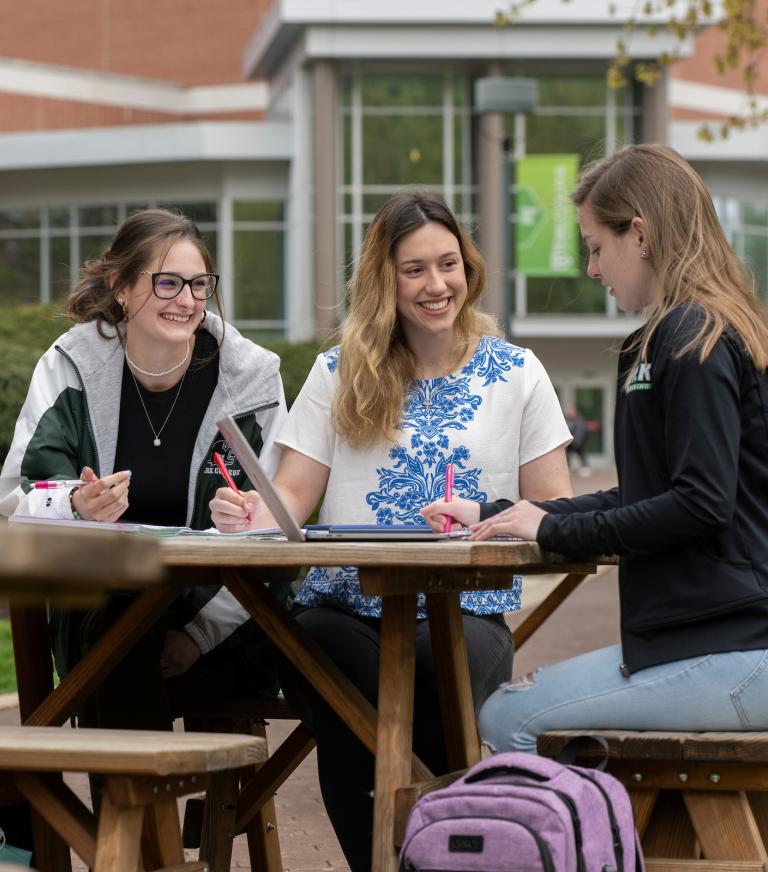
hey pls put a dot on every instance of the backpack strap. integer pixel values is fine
(575, 747)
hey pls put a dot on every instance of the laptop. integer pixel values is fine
(318, 533)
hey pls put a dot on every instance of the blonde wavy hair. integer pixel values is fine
(376, 366)
(687, 249)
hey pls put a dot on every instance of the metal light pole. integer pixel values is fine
(508, 96)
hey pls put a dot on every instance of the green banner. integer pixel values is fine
(547, 230)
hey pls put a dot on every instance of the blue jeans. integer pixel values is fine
(714, 692)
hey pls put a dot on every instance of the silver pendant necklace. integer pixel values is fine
(158, 374)
(156, 433)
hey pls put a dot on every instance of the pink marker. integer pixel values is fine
(448, 495)
(54, 483)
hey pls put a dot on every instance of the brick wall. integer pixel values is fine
(187, 42)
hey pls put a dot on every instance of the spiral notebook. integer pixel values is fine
(320, 532)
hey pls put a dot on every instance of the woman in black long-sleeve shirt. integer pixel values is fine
(689, 517)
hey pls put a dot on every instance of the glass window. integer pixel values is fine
(566, 134)
(402, 150)
(97, 216)
(19, 219)
(402, 90)
(59, 267)
(20, 270)
(757, 215)
(200, 213)
(573, 91)
(258, 279)
(259, 210)
(93, 246)
(756, 256)
(581, 296)
(58, 216)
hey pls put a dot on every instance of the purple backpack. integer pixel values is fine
(517, 812)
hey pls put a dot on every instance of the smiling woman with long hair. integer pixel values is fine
(688, 519)
(420, 380)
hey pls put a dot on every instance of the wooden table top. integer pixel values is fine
(44, 561)
(230, 551)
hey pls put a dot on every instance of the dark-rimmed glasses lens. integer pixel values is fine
(167, 285)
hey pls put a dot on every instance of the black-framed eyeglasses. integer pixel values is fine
(168, 285)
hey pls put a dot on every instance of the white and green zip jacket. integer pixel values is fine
(70, 420)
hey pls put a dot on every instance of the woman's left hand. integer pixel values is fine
(521, 520)
(178, 654)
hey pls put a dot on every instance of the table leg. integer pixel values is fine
(452, 673)
(397, 671)
(299, 647)
(34, 680)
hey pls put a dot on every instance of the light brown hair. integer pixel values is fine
(687, 249)
(376, 366)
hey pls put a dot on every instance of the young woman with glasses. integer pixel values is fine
(126, 402)
(420, 380)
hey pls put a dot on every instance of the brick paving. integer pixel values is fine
(589, 619)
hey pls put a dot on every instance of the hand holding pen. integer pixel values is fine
(100, 499)
(219, 461)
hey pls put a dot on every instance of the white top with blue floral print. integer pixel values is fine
(494, 415)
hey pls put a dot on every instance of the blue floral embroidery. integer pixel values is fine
(434, 410)
(493, 358)
(332, 358)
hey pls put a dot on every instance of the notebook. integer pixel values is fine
(320, 532)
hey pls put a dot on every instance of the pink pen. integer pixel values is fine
(53, 483)
(448, 495)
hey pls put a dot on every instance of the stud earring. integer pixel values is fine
(643, 252)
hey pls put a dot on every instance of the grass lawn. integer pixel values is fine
(7, 673)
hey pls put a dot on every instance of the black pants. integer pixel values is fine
(345, 767)
(135, 696)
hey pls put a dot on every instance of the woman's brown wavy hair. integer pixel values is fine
(687, 249)
(376, 366)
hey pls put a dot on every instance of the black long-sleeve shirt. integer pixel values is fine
(690, 516)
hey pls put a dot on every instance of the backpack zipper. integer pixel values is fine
(618, 848)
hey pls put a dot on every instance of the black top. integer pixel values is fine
(161, 474)
(689, 517)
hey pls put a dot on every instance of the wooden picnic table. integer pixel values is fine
(395, 570)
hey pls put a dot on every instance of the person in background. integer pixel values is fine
(127, 402)
(580, 432)
(689, 517)
(421, 379)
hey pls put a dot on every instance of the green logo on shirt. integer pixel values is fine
(641, 378)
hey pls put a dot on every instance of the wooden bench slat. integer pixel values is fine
(657, 745)
(133, 752)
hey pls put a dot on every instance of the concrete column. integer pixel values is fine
(655, 123)
(326, 219)
(488, 161)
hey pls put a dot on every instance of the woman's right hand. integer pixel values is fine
(236, 512)
(102, 499)
(464, 512)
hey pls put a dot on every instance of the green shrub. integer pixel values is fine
(7, 669)
(27, 331)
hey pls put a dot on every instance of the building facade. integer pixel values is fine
(282, 127)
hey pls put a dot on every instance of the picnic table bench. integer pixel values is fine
(701, 799)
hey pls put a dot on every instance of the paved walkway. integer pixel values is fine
(589, 619)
